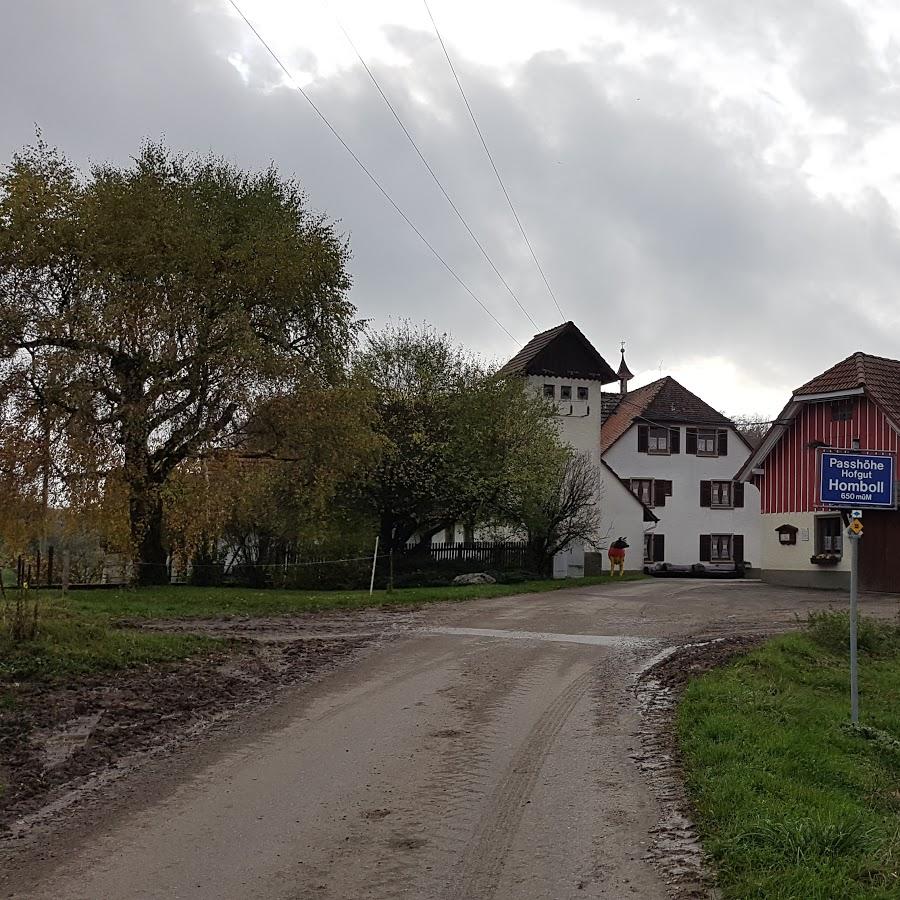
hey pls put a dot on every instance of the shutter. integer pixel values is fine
(738, 494)
(674, 440)
(659, 493)
(723, 443)
(667, 488)
(737, 548)
(706, 493)
(705, 547)
(690, 440)
(659, 548)
(643, 438)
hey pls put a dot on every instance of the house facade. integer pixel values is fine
(853, 405)
(679, 456)
(562, 365)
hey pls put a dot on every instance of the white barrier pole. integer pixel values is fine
(374, 560)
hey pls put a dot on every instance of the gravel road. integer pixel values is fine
(481, 750)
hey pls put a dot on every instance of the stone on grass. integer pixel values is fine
(475, 578)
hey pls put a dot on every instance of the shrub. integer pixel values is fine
(831, 630)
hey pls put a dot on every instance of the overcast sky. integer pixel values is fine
(714, 183)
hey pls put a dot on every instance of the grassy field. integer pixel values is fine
(76, 634)
(198, 602)
(791, 802)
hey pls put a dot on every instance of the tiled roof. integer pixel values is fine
(878, 375)
(664, 400)
(561, 351)
(608, 404)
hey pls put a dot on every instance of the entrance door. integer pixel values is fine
(879, 551)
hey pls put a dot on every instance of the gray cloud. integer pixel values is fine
(656, 218)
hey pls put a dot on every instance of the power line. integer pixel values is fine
(431, 172)
(365, 169)
(491, 158)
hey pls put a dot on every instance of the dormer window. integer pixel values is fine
(550, 391)
(565, 392)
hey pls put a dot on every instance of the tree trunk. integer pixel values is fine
(146, 520)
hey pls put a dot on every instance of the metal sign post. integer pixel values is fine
(854, 535)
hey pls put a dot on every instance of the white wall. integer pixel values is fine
(682, 519)
(579, 421)
(621, 516)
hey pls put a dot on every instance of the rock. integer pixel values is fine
(475, 578)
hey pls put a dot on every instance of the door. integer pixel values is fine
(879, 551)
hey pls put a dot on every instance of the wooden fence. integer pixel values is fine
(489, 554)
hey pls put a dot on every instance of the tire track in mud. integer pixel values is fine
(479, 873)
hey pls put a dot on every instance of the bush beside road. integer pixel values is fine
(792, 802)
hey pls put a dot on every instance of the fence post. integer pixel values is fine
(67, 558)
(50, 566)
(374, 561)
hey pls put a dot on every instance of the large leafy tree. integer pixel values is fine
(457, 440)
(145, 310)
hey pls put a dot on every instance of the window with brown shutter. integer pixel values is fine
(723, 443)
(658, 440)
(654, 547)
(705, 541)
(720, 494)
(643, 434)
(642, 488)
(659, 493)
(737, 547)
(705, 493)
(707, 443)
(690, 441)
(675, 440)
(738, 495)
(720, 548)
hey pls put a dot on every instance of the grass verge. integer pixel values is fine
(199, 602)
(790, 801)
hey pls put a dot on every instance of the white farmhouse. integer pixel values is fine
(562, 365)
(680, 458)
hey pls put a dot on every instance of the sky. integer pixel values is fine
(715, 184)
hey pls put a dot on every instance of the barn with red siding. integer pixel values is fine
(802, 540)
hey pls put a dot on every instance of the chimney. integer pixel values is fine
(624, 373)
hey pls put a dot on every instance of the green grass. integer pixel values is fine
(790, 801)
(199, 602)
(76, 634)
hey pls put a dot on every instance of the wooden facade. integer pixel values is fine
(789, 482)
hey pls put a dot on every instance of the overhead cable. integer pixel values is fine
(431, 172)
(491, 159)
(367, 171)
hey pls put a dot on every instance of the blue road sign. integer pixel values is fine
(854, 478)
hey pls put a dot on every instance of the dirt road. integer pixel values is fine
(485, 750)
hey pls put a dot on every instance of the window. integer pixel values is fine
(583, 393)
(643, 490)
(719, 547)
(565, 392)
(658, 440)
(841, 410)
(720, 494)
(829, 535)
(706, 443)
(550, 391)
(654, 547)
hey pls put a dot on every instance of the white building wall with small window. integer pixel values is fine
(686, 475)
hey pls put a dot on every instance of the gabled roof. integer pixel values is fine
(879, 376)
(562, 351)
(876, 376)
(664, 401)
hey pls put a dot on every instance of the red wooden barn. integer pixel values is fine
(802, 541)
